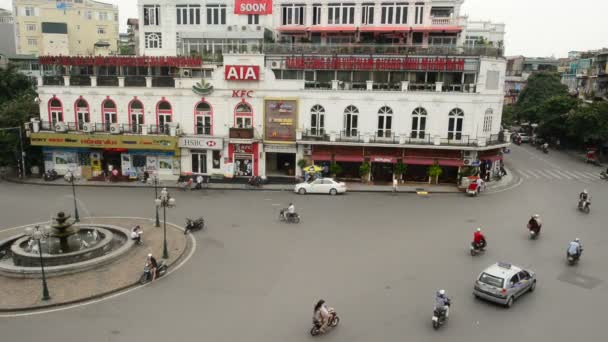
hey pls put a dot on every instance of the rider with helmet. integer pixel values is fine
(575, 248)
(442, 303)
(479, 239)
(321, 314)
(534, 224)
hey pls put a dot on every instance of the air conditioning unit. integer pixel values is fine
(276, 64)
(469, 155)
(186, 73)
(307, 149)
(243, 28)
(61, 127)
(115, 128)
(470, 162)
(258, 28)
(229, 28)
(88, 127)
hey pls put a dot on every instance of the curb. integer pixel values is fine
(103, 294)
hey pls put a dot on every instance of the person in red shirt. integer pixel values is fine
(479, 239)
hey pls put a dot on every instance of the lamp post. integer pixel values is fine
(36, 234)
(157, 222)
(76, 217)
(165, 201)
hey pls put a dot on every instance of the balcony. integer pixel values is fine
(240, 133)
(380, 49)
(106, 127)
(443, 21)
(315, 134)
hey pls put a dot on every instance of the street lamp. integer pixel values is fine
(157, 223)
(165, 201)
(36, 234)
(76, 217)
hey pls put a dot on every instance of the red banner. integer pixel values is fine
(242, 72)
(371, 63)
(262, 7)
(174, 61)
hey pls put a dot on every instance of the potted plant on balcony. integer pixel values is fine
(335, 169)
(364, 170)
(399, 171)
(434, 172)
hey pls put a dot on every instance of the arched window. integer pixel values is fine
(317, 120)
(108, 113)
(243, 116)
(385, 122)
(456, 118)
(164, 113)
(351, 118)
(487, 120)
(203, 118)
(418, 123)
(136, 115)
(55, 111)
(82, 113)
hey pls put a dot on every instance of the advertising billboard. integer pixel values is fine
(261, 7)
(280, 120)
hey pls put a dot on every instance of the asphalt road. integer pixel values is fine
(377, 258)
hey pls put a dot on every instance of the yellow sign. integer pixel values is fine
(136, 142)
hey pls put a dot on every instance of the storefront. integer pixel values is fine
(242, 160)
(96, 156)
(280, 119)
(201, 155)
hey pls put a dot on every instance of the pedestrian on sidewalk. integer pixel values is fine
(395, 185)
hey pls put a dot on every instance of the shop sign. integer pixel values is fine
(375, 63)
(135, 61)
(243, 148)
(104, 141)
(241, 72)
(242, 93)
(201, 143)
(262, 7)
(378, 159)
(280, 119)
(280, 148)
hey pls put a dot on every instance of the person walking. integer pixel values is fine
(395, 185)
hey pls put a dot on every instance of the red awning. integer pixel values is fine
(293, 28)
(388, 28)
(346, 158)
(334, 28)
(437, 28)
(321, 157)
(450, 162)
(383, 159)
(429, 161)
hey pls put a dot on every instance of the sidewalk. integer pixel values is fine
(351, 186)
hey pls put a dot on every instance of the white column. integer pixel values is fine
(405, 85)
(66, 81)
(324, 14)
(93, 81)
(334, 84)
(40, 81)
(121, 81)
(148, 82)
(369, 85)
(438, 86)
(308, 15)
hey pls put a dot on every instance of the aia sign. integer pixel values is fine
(253, 7)
(241, 72)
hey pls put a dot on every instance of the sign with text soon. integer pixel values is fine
(262, 7)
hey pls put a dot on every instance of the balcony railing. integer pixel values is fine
(457, 139)
(241, 133)
(350, 135)
(380, 49)
(135, 81)
(163, 82)
(442, 21)
(315, 134)
(80, 80)
(105, 127)
(107, 81)
(384, 137)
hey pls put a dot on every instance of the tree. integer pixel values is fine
(588, 124)
(434, 172)
(508, 115)
(553, 115)
(540, 87)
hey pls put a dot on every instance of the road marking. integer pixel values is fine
(562, 173)
(571, 174)
(581, 174)
(553, 174)
(533, 173)
(594, 175)
(521, 172)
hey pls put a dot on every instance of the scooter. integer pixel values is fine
(533, 234)
(478, 248)
(440, 317)
(604, 175)
(146, 277)
(255, 181)
(333, 322)
(545, 149)
(285, 216)
(472, 190)
(50, 175)
(192, 225)
(573, 259)
(584, 206)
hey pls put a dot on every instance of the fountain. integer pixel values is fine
(66, 247)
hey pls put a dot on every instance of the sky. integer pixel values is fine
(534, 28)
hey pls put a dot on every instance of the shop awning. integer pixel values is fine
(491, 158)
(429, 161)
(437, 29)
(388, 28)
(333, 28)
(451, 162)
(347, 158)
(293, 28)
(321, 157)
(383, 159)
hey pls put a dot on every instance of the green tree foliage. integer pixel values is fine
(553, 114)
(540, 87)
(588, 124)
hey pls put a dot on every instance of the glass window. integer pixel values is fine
(151, 15)
(29, 11)
(367, 14)
(216, 14)
(351, 118)
(419, 116)
(317, 120)
(385, 122)
(153, 40)
(491, 280)
(456, 118)
(253, 19)
(188, 14)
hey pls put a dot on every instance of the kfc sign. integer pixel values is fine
(253, 7)
(241, 72)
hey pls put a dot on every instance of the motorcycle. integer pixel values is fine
(545, 149)
(584, 206)
(285, 216)
(478, 248)
(255, 181)
(192, 225)
(533, 234)
(472, 189)
(146, 277)
(50, 175)
(440, 316)
(333, 322)
(573, 259)
(604, 175)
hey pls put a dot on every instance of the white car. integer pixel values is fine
(321, 186)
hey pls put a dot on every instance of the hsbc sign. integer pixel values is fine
(241, 72)
(201, 143)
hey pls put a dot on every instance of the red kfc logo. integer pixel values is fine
(241, 72)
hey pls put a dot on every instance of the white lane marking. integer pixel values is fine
(544, 175)
(581, 174)
(533, 174)
(114, 295)
(571, 174)
(523, 173)
(594, 175)
(562, 174)
(553, 174)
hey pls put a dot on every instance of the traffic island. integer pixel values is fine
(22, 291)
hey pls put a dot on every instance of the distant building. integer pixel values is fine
(587, 74)
(484, 33)
(7, 38)
(67, 27)
(132, 36)
(519, 68)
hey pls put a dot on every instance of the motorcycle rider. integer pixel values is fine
(291, 210)
(534, 224)
(584, 198)
(136, 233)
(151, 262)
(479, 240)
(575, 248)
(321, 314)
(442, 303)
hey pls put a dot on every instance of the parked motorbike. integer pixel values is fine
(584, 206)
(440, 317)
(50, 175)
(255, 181)
(285, 216)
(573, 258)
(147, 275)
(192, 225)
(478, 248)
(333, 322)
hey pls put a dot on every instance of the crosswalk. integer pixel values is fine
(559, 174)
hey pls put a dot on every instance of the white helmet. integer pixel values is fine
(577, 240)
(585, 191)
(536, 216)
(150, 255)
(441, 292)
(478, 229)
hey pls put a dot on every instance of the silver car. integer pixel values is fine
(503, 283)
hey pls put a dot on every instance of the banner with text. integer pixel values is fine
(263, 7)
(280, 120)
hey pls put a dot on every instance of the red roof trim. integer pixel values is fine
(335, 28)
(390, 28)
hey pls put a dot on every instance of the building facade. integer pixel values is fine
(7, 39)
(519, 68)
(67, 27)
(586, 75)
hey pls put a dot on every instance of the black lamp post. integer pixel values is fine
(76, 217)
(36, 234)
(157, 222)
(165, 201)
